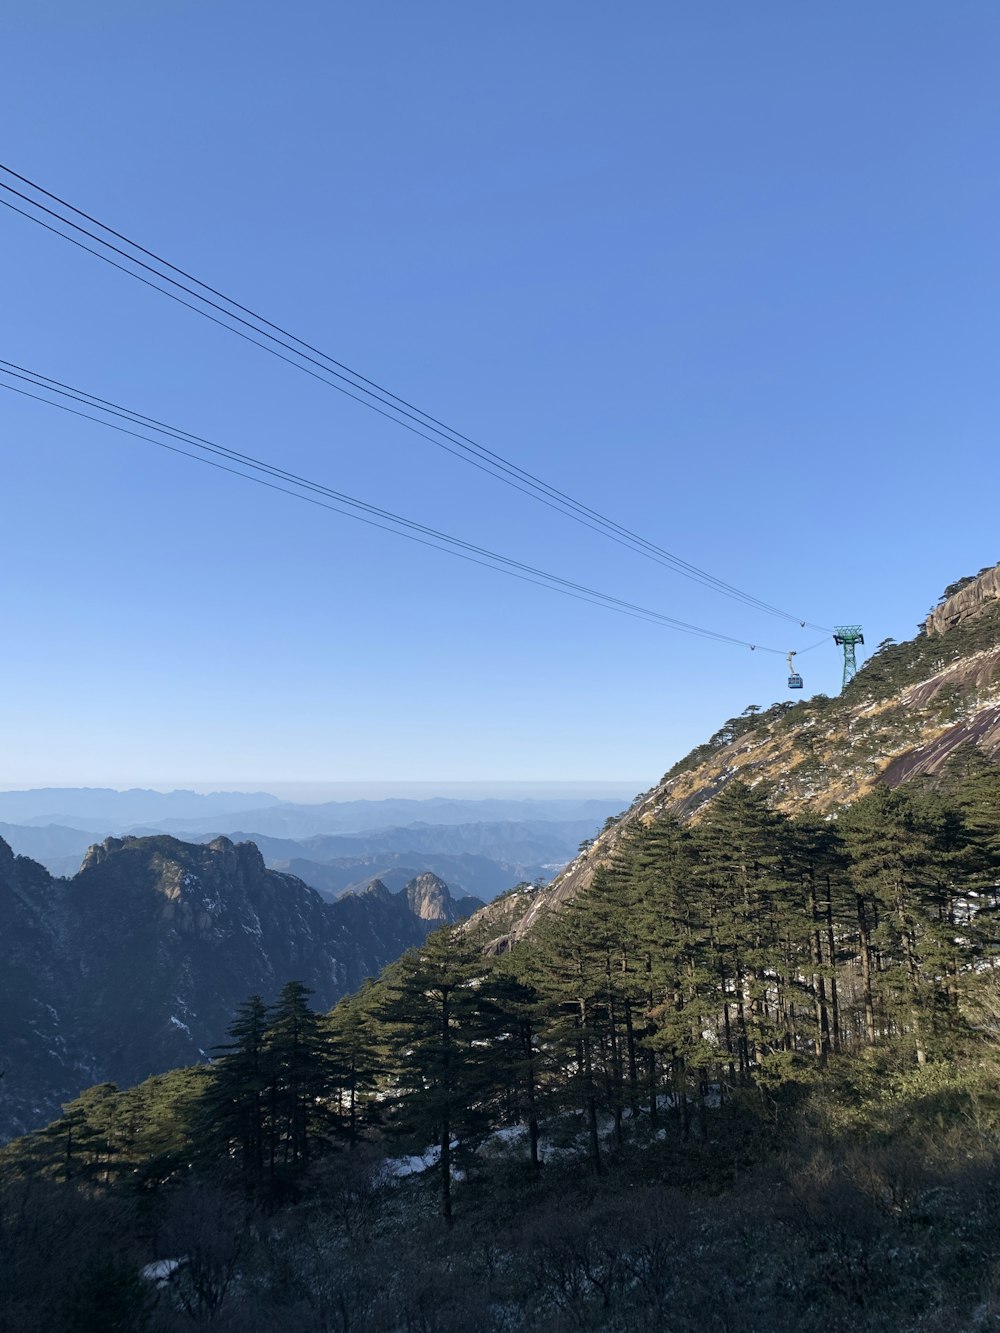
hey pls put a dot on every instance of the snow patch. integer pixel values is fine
(397, 1168)
(162, 1270)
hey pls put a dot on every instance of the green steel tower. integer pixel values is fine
(847, 637)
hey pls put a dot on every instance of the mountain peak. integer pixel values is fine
(378, 889)
(99, 852)
(429, 898)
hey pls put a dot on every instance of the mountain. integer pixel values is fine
(539, 841)
(498, 853)
(907, 710)
(288, 820)
(58, 848)
(747, 1020)
(505, 853)
(98, 808)
(473, 874)
(136, 964)
(428, 899)
(482, 858)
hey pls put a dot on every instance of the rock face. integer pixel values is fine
(136, 964)
(902, 716)
(428, 898)
(966, 602)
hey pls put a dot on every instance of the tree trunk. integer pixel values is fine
(446, 1109)
(909, 956)
(866, 971)
(633, 1074)
(831, 953)
(588, 1077)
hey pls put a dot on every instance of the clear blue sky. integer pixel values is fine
(729, 272)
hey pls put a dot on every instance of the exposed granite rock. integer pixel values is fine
(428, 897)
(968, 601)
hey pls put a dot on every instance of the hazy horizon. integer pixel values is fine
(307, 792)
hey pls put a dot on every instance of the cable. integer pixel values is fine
(818, 644)
(394, 407)
(602, 526)
(347, 505)
(587, 593)
(305, 369)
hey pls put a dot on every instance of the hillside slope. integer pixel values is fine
(905, 712)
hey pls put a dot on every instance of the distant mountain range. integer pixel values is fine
(61, 850)
(468, 874)
(94, 808)
(484, 859)
(136, 964)
(102, 810)
(478, 856)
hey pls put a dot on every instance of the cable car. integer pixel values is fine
(794, 679)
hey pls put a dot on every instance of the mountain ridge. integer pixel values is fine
(906, 711)
(136, 964)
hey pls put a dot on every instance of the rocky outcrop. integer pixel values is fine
(428, 897)
(967, 601)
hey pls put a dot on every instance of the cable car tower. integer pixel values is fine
(848, 637)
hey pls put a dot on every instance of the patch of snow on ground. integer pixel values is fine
(178, 1024)
(162, 1270)
(396, 1168)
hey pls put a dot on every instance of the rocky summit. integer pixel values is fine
(136, 964)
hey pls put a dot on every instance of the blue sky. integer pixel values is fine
(728, 273)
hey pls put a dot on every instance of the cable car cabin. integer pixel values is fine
(795, 681)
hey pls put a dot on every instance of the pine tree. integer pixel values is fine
(432, 1019)
(571, 979)
(356, 1059)
(87, 1137)
(300, 1085)
(515, 1015)
(674, 981)
(741, 846)
(892, 868)
(818, 865)
(234, 1106)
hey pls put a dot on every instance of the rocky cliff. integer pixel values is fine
(966, 601)
(906, 711)
(136, 964)
(429, 899)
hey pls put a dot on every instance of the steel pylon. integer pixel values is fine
(848, 637)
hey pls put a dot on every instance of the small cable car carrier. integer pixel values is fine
(794, 679)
